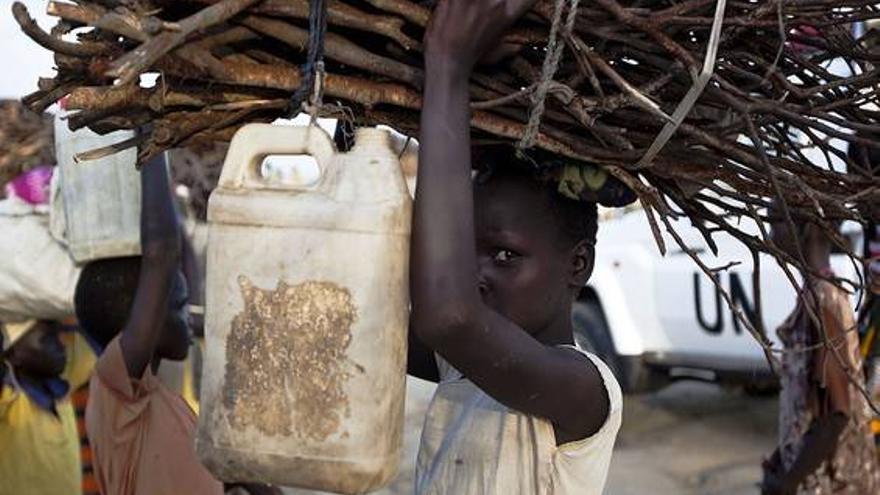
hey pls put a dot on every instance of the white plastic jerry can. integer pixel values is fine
(307, 314)
(101, 198)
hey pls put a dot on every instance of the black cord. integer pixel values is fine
(315, 56)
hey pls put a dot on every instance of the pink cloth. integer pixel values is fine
(804, 32)
(32, 186)
(142, 434)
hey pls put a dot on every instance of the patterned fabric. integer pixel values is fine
(853, 470)
(80, 399)
(591, 183)
(81, 360)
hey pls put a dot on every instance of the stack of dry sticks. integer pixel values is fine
(624, 66)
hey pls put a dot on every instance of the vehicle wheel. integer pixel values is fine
(762, 388)
(591, 333)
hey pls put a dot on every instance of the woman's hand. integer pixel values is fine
(461, 32)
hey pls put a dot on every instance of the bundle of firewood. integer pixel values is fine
(765, 115)
(26, 140)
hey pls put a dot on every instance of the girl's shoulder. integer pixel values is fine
(604, 370)
(612, 388)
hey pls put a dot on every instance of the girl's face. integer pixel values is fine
(526, 269)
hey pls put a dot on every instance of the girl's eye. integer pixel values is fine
(504, 256)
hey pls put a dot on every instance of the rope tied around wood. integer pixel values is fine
(548, 71)
(309, 96)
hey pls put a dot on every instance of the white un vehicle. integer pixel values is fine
(654, 319)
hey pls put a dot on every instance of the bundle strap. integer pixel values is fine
(309, 96)
(699, 84)
(555, 45)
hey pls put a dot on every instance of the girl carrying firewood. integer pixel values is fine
(496, 264)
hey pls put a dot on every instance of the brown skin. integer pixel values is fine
(821, 439)
(157, 326)
(38, 354)
(491, 285)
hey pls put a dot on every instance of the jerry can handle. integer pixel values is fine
(253, 142)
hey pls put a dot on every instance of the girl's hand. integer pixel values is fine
(462, 31)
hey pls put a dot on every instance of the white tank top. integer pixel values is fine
(473, 445)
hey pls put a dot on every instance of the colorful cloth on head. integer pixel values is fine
(586, 182)
(11, 332)
(32, 186)
(805, 40)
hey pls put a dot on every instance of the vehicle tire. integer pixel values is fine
(762, 388)
(591, 333)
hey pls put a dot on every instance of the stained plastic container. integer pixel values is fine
(306, 315)
(101, 198)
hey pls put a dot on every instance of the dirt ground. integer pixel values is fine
(692, 439)
(687, 439)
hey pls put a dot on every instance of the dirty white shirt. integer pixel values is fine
(473, 445)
